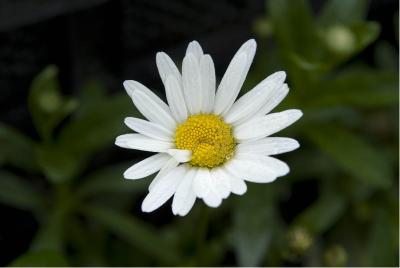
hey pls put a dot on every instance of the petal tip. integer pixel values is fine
(194, 42)
(296, 144)
(251, 42)
(145, 207)
(296, 114)
(281, 74)
(213, 203)
(129, 87)
(160, 55)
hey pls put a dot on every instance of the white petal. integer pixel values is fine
(268, 146)
(277, 166)
(184, 197)
(122, 140)
(257, 168)
(234, 77)
(238, 186)
(199, 184)
(250, 171)
(230, 84)
(191, 83)
(168, 166)
(131, 86)
(181, 156)
(146, 167)
(195, 49)
(261, 127)
(207, 72)
(176, 100)
(163, 190)
(221, 182)
(274, 100)
(149, 129)
(203, 187)
(152, 110)
(248, 105)
(143, 143)
(166, 67)
(212, 199)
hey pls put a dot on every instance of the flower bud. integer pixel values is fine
(335, 256)
(340, 39)
(300, 240)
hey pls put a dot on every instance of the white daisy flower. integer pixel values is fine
(206, 144)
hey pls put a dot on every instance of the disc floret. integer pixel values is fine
(209, 139)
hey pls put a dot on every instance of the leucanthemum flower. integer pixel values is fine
(206, 144)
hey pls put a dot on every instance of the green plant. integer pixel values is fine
(349, 150)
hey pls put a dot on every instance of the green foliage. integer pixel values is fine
(358, 88)
(352, 153)
(40, 259)
(349, 152)
(108, 180)
(137, 233)
(323, 214)
(16, 149)
(343, 12)
(48, 107)
(19, 193)
(57, 164)
(381, 249)
(81, 137)
(253, 229)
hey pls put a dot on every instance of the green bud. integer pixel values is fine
(49, 101)
(300, 240)
(340, 39)
(335, 256)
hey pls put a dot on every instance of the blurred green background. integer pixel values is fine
(339, 206)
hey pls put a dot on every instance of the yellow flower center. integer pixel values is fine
(208, 137)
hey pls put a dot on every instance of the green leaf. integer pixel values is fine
(298, 40)
(48, 243)
(86, 244)
(365, 33)
(365, 88)
(110, 180)
(46, 258)
(57, 164)
(343, 12)
(19, 193)
(50, 234)
(47, 106)
(381, 247)
(136, 232)
(353, 154)
(323, 214)
(301, 39)
(16, 149)
(386, 56)
(97, 126)
(254, 223)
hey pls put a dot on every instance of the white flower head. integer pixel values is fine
(206, 144)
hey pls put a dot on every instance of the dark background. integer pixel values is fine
(112, 41)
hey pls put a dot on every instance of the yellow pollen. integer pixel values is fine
(208, 137)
